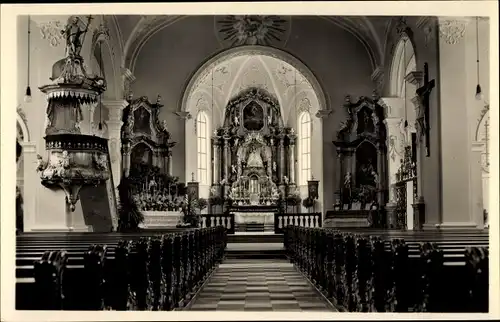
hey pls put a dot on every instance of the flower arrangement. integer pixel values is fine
(308, 203)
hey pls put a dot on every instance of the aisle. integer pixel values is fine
(258, 285)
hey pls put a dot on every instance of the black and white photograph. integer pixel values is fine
(253, 162)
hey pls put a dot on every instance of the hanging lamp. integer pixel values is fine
(479, 92)
(27, 96)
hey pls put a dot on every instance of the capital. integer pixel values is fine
(184, 115)
(115, 109)
(393, 106)
(452, 29)
(323, 114)
(415, 78)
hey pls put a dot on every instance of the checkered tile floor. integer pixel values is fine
(258, 285)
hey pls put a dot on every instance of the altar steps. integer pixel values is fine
(254, 238)
(255, 251)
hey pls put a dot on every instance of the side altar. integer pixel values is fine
(147, 162)
(254, 158)
(361, 189)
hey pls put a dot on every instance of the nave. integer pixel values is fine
(259, 285)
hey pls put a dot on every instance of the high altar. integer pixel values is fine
(254, 157)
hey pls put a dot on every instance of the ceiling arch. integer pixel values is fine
(272, 61)
(360, 27)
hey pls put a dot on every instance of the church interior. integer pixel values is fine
(253, 163)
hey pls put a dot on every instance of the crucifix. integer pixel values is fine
(424, 93)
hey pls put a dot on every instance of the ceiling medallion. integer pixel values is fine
(252, 30)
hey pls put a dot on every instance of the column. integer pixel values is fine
(169, 162)
(114, 124)
(341, 174)
(455, 149)
(227, 162)
(394, 153)
(291, 156)
(282, 158)
(216, 164)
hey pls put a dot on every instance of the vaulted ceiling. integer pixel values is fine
(135, 31)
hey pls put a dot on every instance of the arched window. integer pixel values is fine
(304, 138)
(202, 147)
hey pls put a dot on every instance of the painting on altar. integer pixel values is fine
(142, 121)
(141, 154)
(253, 117)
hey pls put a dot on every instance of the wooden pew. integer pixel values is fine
(106, 274)
(384, 272)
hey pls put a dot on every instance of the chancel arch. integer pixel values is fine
(227, 75)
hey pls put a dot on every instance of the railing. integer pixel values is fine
(281, 221)
(214, 220)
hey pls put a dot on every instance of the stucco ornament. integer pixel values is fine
(237, 30)
(253, 77)
(53, 31)
(452, 30)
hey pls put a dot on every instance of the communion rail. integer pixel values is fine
(382, 272)
(283, 220)
(224, 220)
(148, 273)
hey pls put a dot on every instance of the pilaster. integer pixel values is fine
(114, 124)
(31, 182)
(456, 201)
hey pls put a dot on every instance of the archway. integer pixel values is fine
(402, 115)
(482, 138)
(22, 141)
(229, 73)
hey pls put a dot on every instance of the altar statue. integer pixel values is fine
(346, 190)
(233, 168)
(236, 121)
(255, 160)
(274, 166)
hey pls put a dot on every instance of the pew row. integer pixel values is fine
(379, 273)
(142, 273)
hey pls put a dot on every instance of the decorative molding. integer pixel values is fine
(202, 104)
(237, 30)
(304, 105)
(53, 31)
(452, 30)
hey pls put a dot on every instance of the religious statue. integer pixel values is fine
(285, 179)
(101, 162)
(375, 177)
(403, 128)
(236, 141)
(163, 126)
(63, 164)
(274, 166)
(346, 190)
(292, 131)
(233, 168)
(255, 160)
(41, 165)
(269, 119)
(236, 120)
(74, 36)
(130, 122)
